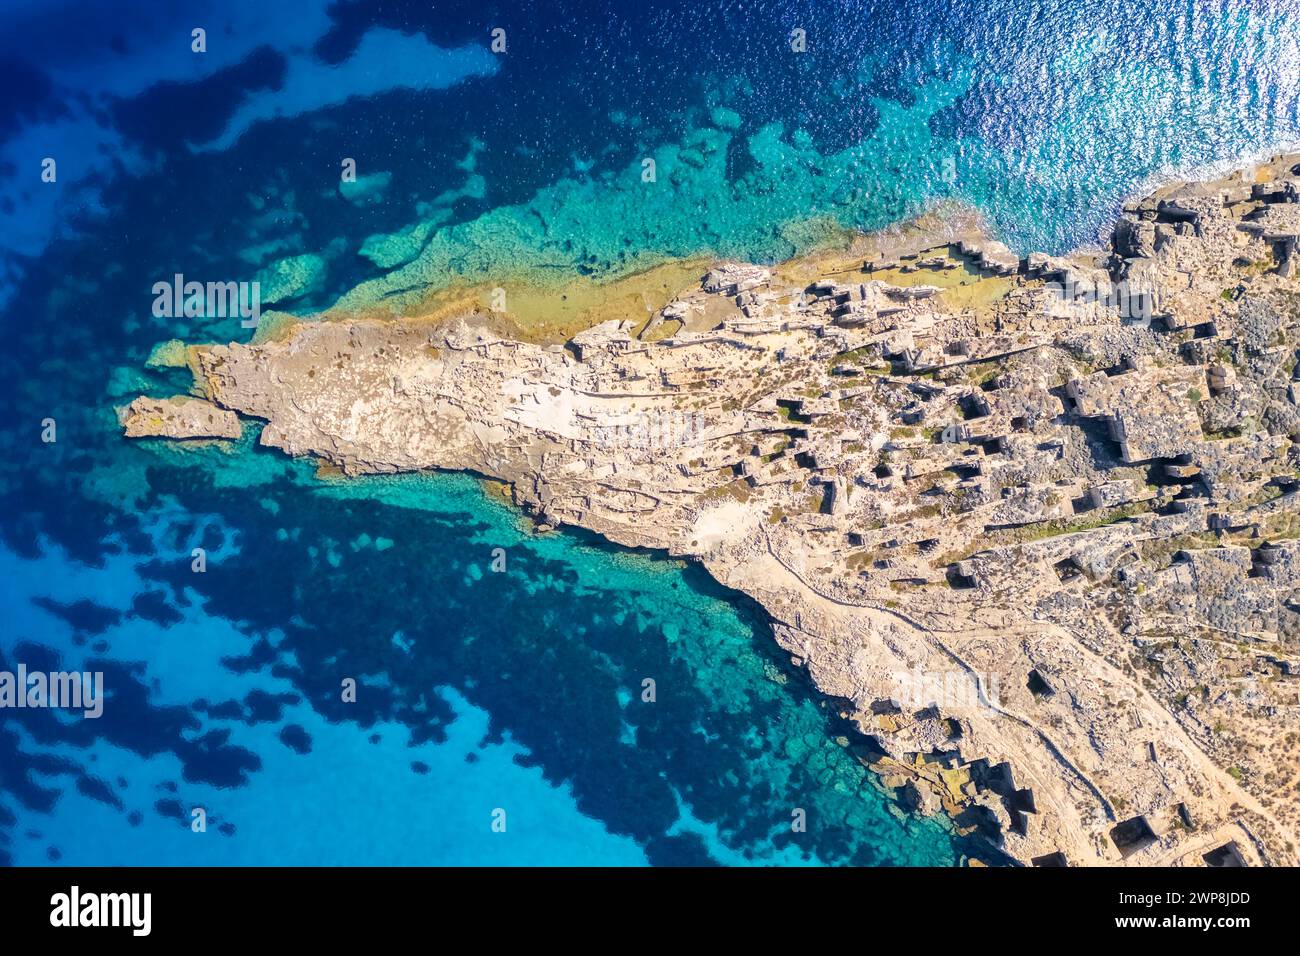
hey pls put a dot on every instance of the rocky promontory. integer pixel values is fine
(1032, 524)
(180, 418)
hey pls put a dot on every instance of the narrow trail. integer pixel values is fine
(1167, 726)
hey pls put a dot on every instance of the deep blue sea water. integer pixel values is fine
(481, 692)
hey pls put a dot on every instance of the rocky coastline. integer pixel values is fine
(1032, 524)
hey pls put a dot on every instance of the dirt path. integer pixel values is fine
(779, 575)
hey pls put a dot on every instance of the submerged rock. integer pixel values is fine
(366, 190)
(291, 278)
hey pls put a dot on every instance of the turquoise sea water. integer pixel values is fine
(479, 691)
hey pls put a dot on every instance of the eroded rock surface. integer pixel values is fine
(178, 417)
(1044, 551)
